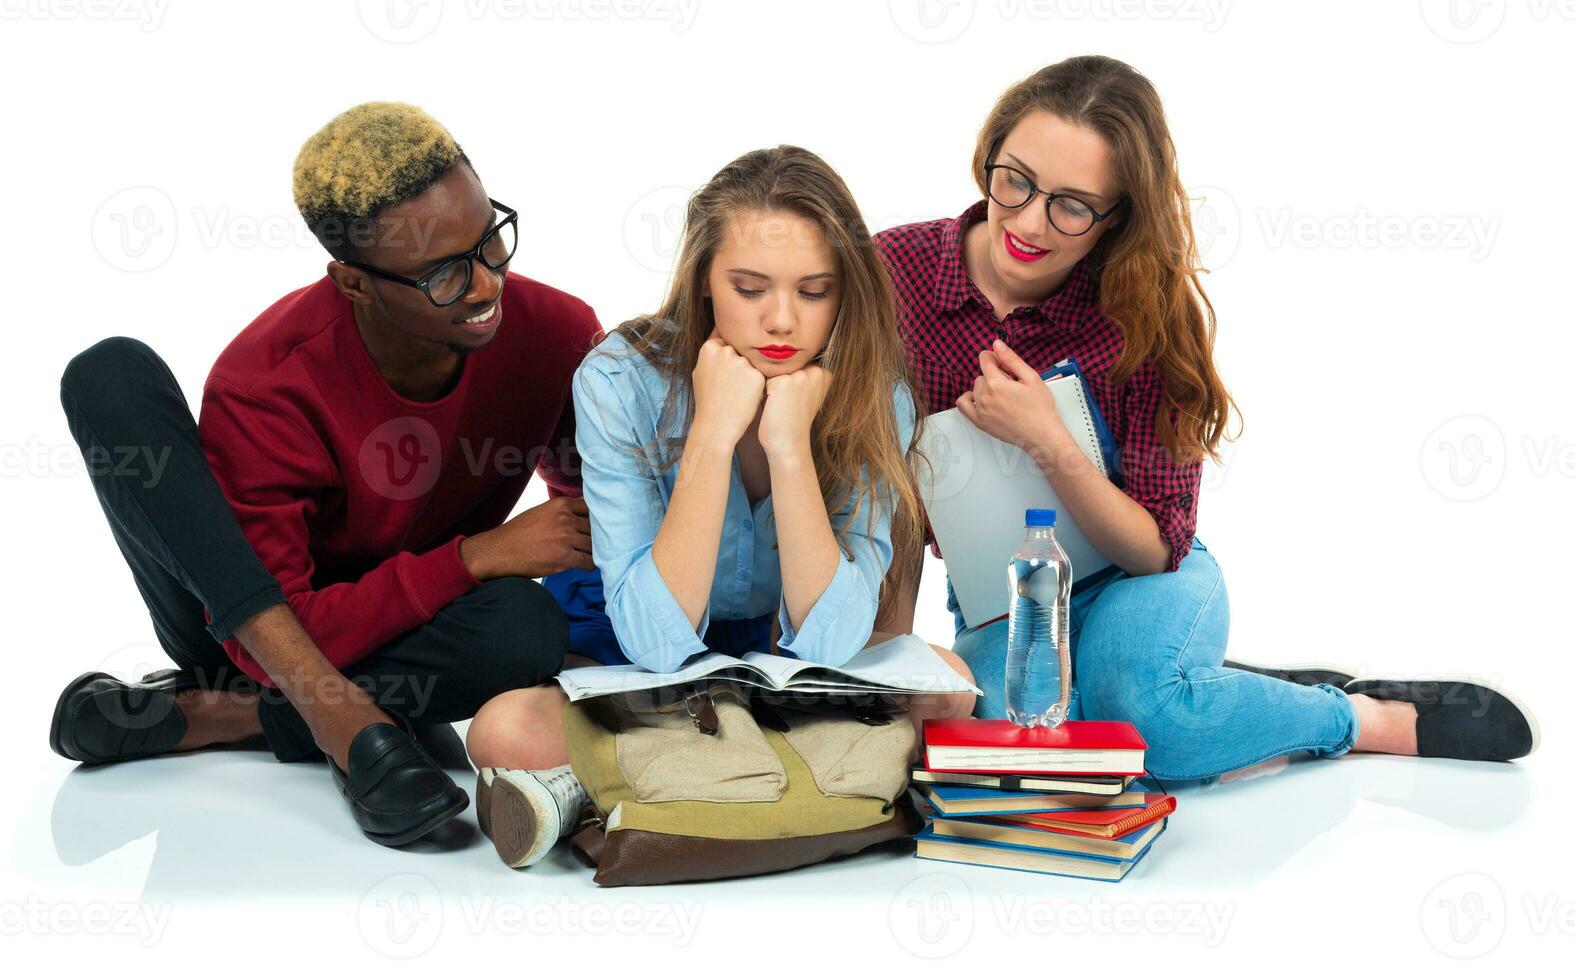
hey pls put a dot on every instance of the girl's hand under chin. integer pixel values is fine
(727, 390)
(792, 402)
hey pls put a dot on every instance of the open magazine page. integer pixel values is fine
(901, 664)
(589, 682)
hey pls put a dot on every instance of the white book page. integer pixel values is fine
(901, 664)
(588, 682)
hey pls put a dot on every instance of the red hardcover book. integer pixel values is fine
(996, 745)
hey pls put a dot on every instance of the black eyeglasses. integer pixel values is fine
(451, 280)
(1069, 214)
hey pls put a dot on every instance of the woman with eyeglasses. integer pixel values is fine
(1082, 246)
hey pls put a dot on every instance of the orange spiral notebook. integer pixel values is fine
(1092, 823)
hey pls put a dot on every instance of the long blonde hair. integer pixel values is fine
(1147, 267)
(855, 436)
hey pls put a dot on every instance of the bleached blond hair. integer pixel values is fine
(365, 159)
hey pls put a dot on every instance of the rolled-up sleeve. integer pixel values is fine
(840, 621)
(626, 510)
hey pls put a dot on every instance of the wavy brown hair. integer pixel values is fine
(855, 438)
(1146, 267)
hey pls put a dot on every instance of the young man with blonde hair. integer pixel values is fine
(327, 556)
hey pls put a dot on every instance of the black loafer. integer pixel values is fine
(100, 719)
(181, 678)
(1308, 674)
(396, 792)
(1460, 718)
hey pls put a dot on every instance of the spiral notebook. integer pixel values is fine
(977, 487)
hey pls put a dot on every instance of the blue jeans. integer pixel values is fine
(1149, 650)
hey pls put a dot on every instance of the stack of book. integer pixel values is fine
(1058, 801)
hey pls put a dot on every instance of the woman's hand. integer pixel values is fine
(1012, 403)
(792, 402)
(728, 390)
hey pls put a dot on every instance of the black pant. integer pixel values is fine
(186, 553)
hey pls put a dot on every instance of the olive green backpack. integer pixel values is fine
(723, 780)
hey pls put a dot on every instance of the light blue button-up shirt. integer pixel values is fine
(618, 400)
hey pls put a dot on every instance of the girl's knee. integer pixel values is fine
(521, 729)
(955, 705)
(1182, 718)
(954, 661)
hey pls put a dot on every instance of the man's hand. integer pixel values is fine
(546, 539)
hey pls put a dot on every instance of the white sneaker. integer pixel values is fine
(526, 811)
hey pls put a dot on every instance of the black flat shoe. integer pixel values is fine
(1308, 674)
(174, 679)
(396, 792)
(1460, 718)
(99, 719)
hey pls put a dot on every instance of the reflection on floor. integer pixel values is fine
(220, 821)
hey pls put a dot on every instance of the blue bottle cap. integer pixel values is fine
(1039, 517)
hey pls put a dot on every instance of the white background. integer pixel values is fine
(1384, 197)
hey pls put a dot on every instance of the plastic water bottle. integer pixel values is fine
(1038, 657)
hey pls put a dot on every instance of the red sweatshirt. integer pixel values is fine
(356, 498)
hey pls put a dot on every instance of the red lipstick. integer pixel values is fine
(778, 352)
(1021, 250)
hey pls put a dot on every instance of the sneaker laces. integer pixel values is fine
(566, 790)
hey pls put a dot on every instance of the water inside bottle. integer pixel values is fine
(1037, 643)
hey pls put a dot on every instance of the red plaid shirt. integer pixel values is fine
(946, 322)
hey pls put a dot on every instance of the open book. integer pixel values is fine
(901, 665)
